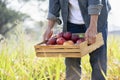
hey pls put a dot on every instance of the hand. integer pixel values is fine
(48, 33)
(90, 34)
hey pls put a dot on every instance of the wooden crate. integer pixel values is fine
(68, 51)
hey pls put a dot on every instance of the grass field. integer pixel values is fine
(18, 62)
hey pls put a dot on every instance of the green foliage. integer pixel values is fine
(18, 62)
(8, 16)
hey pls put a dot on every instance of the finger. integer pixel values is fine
(51, 33)
(86, 36)
(92, 39)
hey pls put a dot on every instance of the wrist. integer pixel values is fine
(94, 26)
(94, 21)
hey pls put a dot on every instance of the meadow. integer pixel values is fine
(19, 62)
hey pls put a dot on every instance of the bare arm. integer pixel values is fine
(51, 23)
(53, 14)
(48, 32)
(91, 32)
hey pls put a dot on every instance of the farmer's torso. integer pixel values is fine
(83, 6)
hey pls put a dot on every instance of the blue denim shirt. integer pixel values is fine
(88, 7)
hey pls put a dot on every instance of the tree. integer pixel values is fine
(8, 16)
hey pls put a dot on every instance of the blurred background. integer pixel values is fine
(28, 16)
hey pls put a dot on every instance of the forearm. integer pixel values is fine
(94, 20)
(51, 23)
(48, 32)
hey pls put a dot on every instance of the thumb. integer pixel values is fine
(51, 33)
(86, 36)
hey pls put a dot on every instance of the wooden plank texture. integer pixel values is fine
(58, 55)
(88, 49)
(68, 51)
(57, 46)
(58, 50)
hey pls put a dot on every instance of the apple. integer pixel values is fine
(60, 34)
(68, 42)
(80, 40)
(51, 41)
(74, 38)
(60, 41)
(67, 35)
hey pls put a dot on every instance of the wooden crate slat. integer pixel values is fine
(58, 50)
(69, 50)
(58, 55)
(88, 49)
(56, 46)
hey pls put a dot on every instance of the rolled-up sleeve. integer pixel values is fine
(94, 6)
(54, 9)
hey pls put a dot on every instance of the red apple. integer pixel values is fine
(60, 34)
(74, 38)
(80, 40)
(60, 41)
(67, 35)
(51, 41)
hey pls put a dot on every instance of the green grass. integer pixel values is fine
(18, 62)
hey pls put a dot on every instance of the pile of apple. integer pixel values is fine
(65, 38)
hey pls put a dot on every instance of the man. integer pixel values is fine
(82, 16)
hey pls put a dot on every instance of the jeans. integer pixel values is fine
(98, 58)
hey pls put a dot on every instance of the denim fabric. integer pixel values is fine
(73, 69)
(98, 58)
(76, 28)
(87, 7)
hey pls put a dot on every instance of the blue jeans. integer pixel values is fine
(98, 58)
